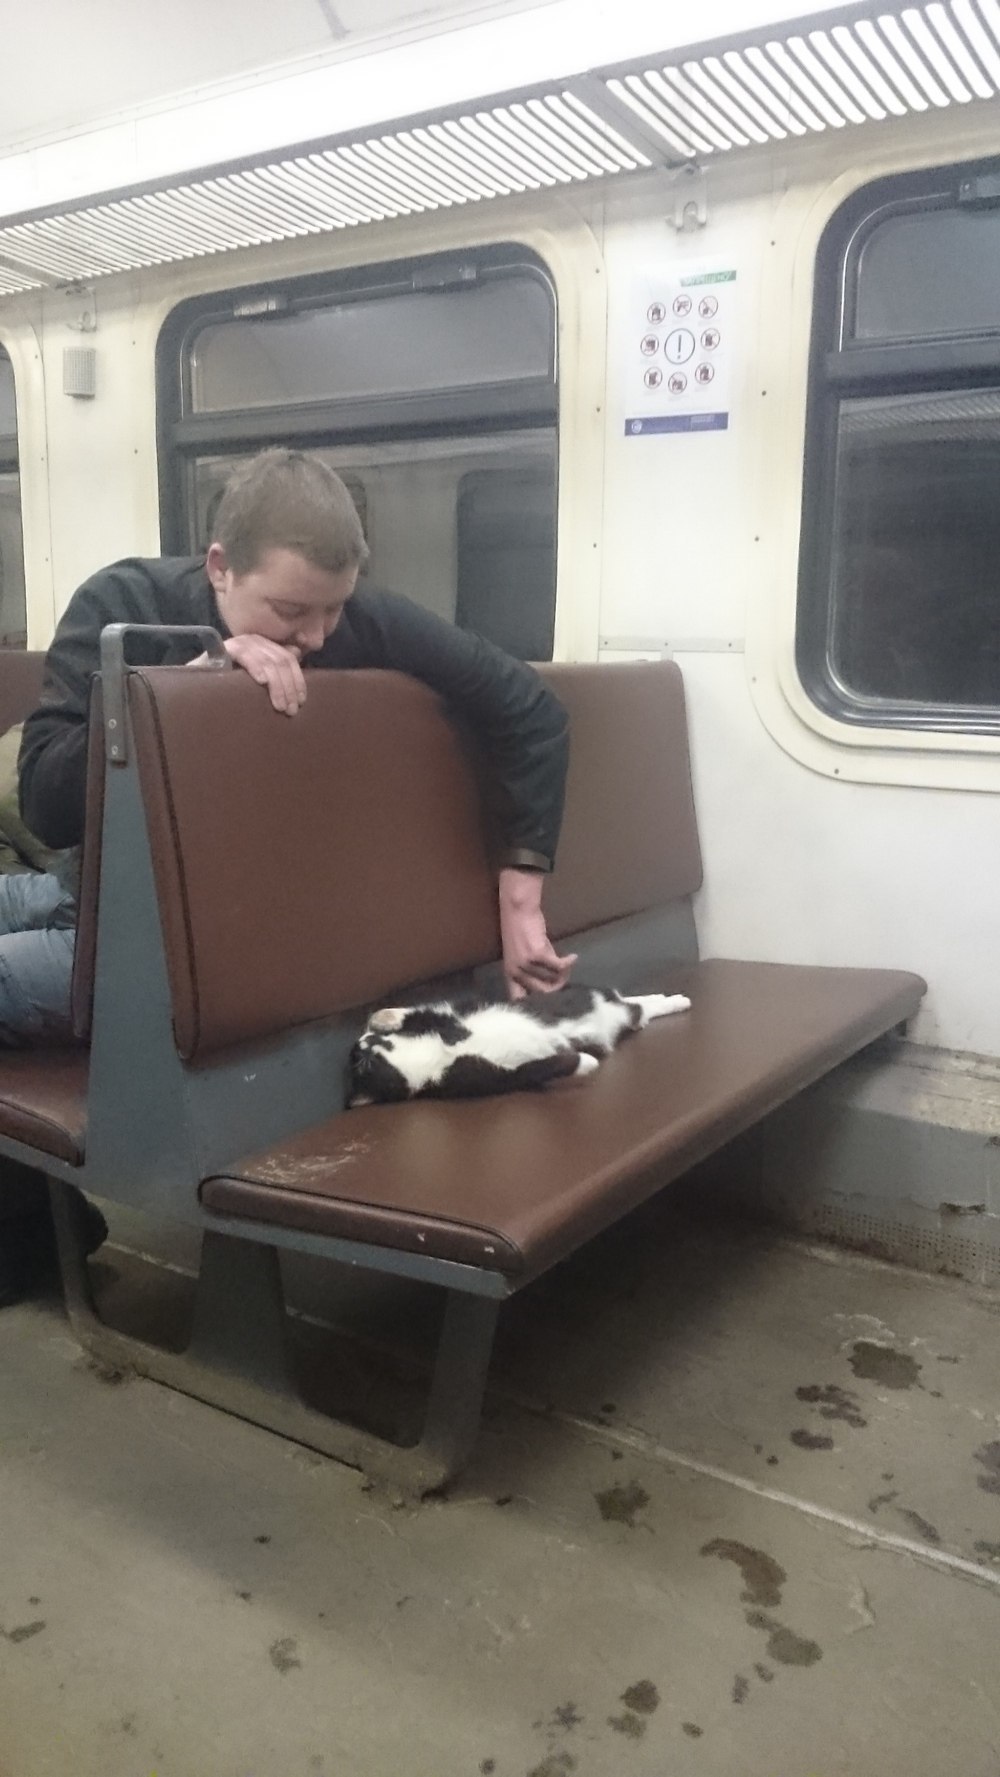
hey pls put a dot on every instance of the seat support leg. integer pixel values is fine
(239, 1358)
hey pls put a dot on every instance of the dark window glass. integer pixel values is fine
(924, 274)
(899, 592)
(915, 606)
(13, 622)
(392, 345)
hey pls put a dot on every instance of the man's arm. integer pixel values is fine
(52, 764)
(524, 733)
(521, 725)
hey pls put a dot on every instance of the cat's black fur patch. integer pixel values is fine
(471, 1076)
(434, 1021)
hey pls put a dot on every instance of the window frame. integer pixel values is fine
(841, 368)
(183, 436)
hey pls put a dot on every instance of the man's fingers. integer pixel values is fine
(273, 666)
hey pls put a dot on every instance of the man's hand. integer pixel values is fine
(271, 665)
(529, 961)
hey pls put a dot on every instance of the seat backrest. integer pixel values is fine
(629, 838)
(20, 685)
(311, 865)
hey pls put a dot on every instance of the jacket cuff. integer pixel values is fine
(525, 860)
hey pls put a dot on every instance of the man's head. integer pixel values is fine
(286, 550)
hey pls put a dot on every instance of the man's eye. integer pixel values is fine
(288, 613)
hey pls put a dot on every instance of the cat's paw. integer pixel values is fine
(586, 1064)
(390, 1018)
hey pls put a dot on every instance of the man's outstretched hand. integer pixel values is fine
(529, 961)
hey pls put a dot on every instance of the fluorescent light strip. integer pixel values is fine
(873, 40)
(824, 81)
(712, 84)
(660, 106)
(626, 156)
(784, 87)
(970, 23)
(787, 119)
(868, 70)
(816, 100)
(907, 53)
(696, 107)
(925, 40)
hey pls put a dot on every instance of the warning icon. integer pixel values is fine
(704, 373)
(710, 338)
(653, 377)
(678, 346)
(682, 304)
(657, 313)
(678, 383)
(708, 306)
(649, 345)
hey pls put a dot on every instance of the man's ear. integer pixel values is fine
(216, 566)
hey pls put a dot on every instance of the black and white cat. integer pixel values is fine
(470, 1048)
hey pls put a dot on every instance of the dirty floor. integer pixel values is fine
(735, 1512)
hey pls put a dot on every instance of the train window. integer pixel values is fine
(13, 621)
(899, 614)
(429, 386)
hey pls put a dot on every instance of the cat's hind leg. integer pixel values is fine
(550, 1070)
(657, 1005)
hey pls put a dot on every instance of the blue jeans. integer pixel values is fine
(37, 939)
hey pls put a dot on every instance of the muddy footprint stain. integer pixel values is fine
(566, 1716)
(632, 1726)
(618, 1505)
(884, 1364)
(989, 1457)
(784, 1645)
(811, 1440)
(642, 1696)
(283, 1654)
(763, 1578)
(833, 1403)
(556, 1765)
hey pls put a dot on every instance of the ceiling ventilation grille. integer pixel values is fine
(872, 66)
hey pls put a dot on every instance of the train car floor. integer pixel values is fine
(734, 1512)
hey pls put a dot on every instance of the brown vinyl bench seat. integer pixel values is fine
(515, 1184)
(253, 886)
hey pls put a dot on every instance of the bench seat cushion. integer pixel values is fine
(43, 1100)
(515, 1183)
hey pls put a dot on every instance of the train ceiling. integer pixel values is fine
(860, 66)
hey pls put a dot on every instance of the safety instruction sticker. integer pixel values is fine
(680, 354)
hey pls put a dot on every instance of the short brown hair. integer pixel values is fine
(283, 499)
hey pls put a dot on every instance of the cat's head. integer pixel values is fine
(371, 1076)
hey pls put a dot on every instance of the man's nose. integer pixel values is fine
(311, 636)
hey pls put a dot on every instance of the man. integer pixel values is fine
(280, 584)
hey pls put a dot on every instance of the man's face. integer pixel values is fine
(285, 598)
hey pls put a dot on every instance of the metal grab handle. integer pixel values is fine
(114, 667)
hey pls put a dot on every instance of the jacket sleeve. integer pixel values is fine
(520, 725)
(52, 764)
